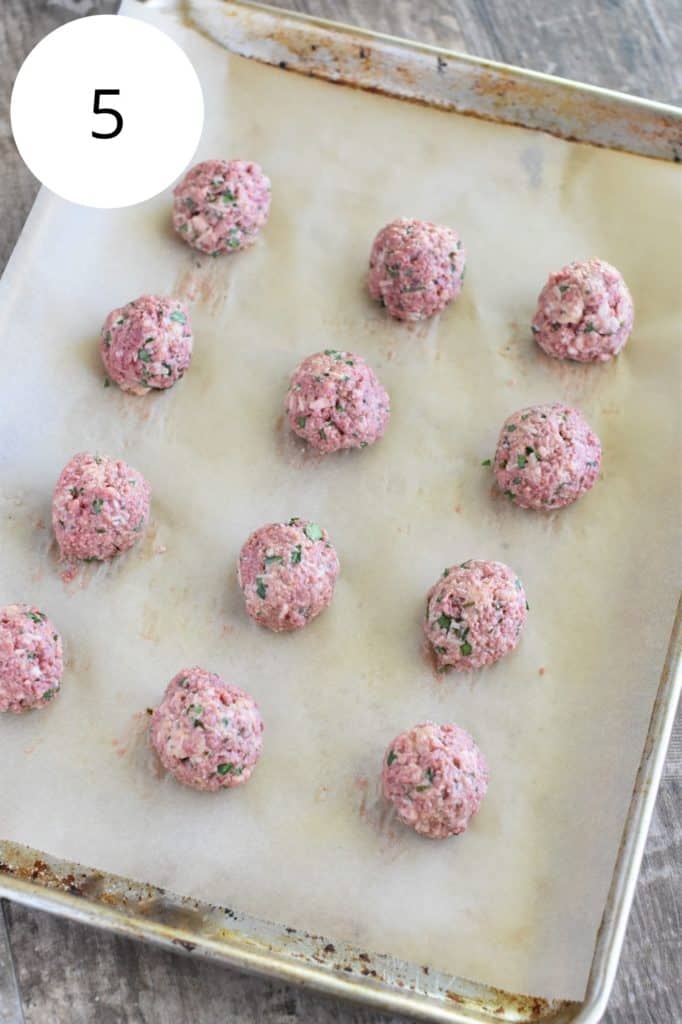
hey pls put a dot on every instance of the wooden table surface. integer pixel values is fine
(56, 972)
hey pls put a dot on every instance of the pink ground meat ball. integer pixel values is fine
(30, 658)
(585, 312)
(335, 400)
(147, 344)
(287, 573)
(474, 614)
(436, 778)
(99, 508)
(416, 268)
(546, 457)
(221, 205)
(207, 733)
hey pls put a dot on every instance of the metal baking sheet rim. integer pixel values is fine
(348, 55)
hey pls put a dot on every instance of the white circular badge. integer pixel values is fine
(107, 111)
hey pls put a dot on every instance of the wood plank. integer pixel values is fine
(71, 973)
(10, 998)
(617, 44)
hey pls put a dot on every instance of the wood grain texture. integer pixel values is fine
(619, 44)
(10, 997)
(69, 974)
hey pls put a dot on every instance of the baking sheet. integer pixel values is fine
(516, 902)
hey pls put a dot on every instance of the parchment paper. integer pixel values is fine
(517, 900)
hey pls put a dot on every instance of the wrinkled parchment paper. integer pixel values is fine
(516, 901)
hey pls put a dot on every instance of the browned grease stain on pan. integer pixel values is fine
(194, 920)
(347, 58)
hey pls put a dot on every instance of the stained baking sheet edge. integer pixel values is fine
(441, 78)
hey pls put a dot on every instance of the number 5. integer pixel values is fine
(96, 109)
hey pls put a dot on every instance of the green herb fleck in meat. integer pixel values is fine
(144, 355)
(313, 531)
(296, 555)
(511, 427)
(273, 559)
(225, 768)
(97, 505)
(301, 421)
(36, 616)
(178, 316)
(444, 621)
(261, 588)
(465, 649)
(521, 461)
(430, 776)
(229, 196)
(392, 756)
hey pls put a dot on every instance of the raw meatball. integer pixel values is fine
(30, 658)
(207, 733)
(99, 508)
(416, 268)
(546, 456)
(335, 400)
(221, 205)
(436, 778)
(287, 573)
(585, 312)
(147, 344)
(474, 614)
